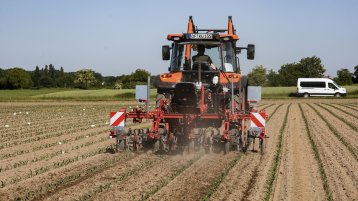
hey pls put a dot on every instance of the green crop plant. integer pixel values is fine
(276, 159)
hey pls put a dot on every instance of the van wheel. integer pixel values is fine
(337, 95)
(306, 95)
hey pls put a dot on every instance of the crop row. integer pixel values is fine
(344, 111)
(218, 180)
(165, 181)
(59, 164)
(48, 156)
(34, 194)
(37, 171)
(26, 131)
(49, 134)
(215, 185)
(349, 147)
(42, 146)
(119, 179)
(277, 158)
(48, 117)
(349, 107)
(317, 156)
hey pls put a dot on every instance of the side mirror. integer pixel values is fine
(250, 51)
(166, 52)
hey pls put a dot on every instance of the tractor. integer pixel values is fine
(202, 101)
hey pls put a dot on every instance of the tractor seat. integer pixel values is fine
(204, 66)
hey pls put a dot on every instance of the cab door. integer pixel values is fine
(331, 89)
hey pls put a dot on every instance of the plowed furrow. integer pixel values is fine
(338, 162)
(88, 188)
(349, 118)
(152, 179)
(193, 183)
(345, 135)
(62, 177)
(243, 180)
(298, 176)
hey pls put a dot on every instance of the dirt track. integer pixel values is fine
(85, 172)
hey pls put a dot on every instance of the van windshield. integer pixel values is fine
(336, 85)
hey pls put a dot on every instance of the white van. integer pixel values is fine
(319, 87)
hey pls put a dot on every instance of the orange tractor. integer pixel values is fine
(202, 102)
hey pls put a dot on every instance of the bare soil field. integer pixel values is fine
(60, 151)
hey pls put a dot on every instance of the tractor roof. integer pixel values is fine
(195, 34)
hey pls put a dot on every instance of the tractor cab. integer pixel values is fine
(203, 55)
(221, 54)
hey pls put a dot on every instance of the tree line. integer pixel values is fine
(287, 75)
(50, 77)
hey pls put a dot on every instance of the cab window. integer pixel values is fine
(229, 57)
(332, 86)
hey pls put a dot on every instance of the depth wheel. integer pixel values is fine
(227, 146)
(262, 145)
(218, 147)
(191, 146)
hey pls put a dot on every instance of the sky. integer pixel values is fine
(117, 37)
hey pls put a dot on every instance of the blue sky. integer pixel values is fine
(116, 37)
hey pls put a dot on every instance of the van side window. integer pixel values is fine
(313, 84)
(332, 86)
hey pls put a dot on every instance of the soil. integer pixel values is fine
(97, 175)
(339, 164)
(298, 176)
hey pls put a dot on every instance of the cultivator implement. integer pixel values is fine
(177, 131)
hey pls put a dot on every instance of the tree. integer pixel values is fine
(257, 76)
(109, 81)
(62, 72)
(18, 78)
(46, 70)
(355, 74)
(52, 71)
(36, 77)
(99, 79)
(311, 67)
(46, 81)
(68, 80)
(140, 75)
(273, 78)
(85, 78)
(3, 80)
(289, 73)
(344, 77)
